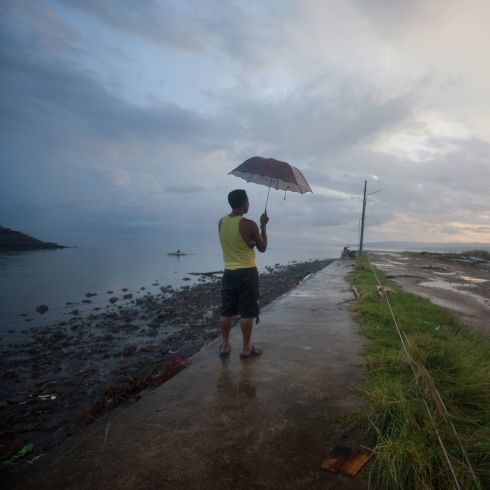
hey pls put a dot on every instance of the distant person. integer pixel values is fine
(240, 288)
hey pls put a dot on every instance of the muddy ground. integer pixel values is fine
(459, 284)
(62, 376)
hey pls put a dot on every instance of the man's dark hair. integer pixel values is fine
(236, 198)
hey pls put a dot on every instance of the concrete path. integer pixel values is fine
(263, 423)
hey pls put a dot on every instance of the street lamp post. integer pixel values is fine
(362, 219)
(364, 200)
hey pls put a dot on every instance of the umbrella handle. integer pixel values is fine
(268, 192)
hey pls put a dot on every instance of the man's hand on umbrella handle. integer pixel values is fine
(264, 219)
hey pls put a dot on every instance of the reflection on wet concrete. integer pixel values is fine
(260, 423)
(232, 386)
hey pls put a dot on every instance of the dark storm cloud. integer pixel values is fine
(41, 90)
(70, 137)
(31, 88)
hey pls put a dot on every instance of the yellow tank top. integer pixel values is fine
(236, 253)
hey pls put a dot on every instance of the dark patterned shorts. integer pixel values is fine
(240, 293)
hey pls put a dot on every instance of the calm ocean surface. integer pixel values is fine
(55, 277)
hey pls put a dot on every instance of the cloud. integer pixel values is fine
(347, 92)
(185, 189)
(222, 28)
(307, 125)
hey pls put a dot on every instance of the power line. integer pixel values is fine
(407, 214)
(404, 341)
(381, 229)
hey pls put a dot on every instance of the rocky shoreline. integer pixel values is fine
(67, 373)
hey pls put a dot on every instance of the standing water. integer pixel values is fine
(86, 278)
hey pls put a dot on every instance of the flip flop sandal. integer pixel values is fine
(255, 352)
(223, 354)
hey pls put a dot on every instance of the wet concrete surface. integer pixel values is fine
(266, 422)
(458, 285)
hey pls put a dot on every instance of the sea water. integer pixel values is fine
(61, 279)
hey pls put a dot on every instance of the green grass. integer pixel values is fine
(446, 355)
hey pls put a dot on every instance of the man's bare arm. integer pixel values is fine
(260, 237)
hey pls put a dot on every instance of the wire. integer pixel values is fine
(410, 362)
(406, 214)
(404, 341)
(381, 229)
(436, 391)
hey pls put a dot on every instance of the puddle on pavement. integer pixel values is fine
(307, 294)
(449, 286)
(476, 280)
(383, 264)
(456, 288)
(458, 275)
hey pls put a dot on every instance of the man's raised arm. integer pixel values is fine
(261, 237)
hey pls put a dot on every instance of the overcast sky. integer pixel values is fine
(126, 116)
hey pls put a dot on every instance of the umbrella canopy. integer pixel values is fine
(272, 173)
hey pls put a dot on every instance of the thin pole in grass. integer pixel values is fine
(404, 340)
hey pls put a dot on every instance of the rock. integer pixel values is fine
(129, 350)
(86, 301)
(89, 295)
(42, 309)
(12, 374)
(110, 292)
(127, 296)
(113, 300)
(75, 312)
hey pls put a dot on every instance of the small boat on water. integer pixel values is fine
(176, 254)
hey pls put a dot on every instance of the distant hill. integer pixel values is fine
(15, 241)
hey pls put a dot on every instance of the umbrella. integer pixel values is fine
(272, 173)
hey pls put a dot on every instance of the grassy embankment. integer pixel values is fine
(445, 354)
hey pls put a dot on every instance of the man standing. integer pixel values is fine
(240, 289)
